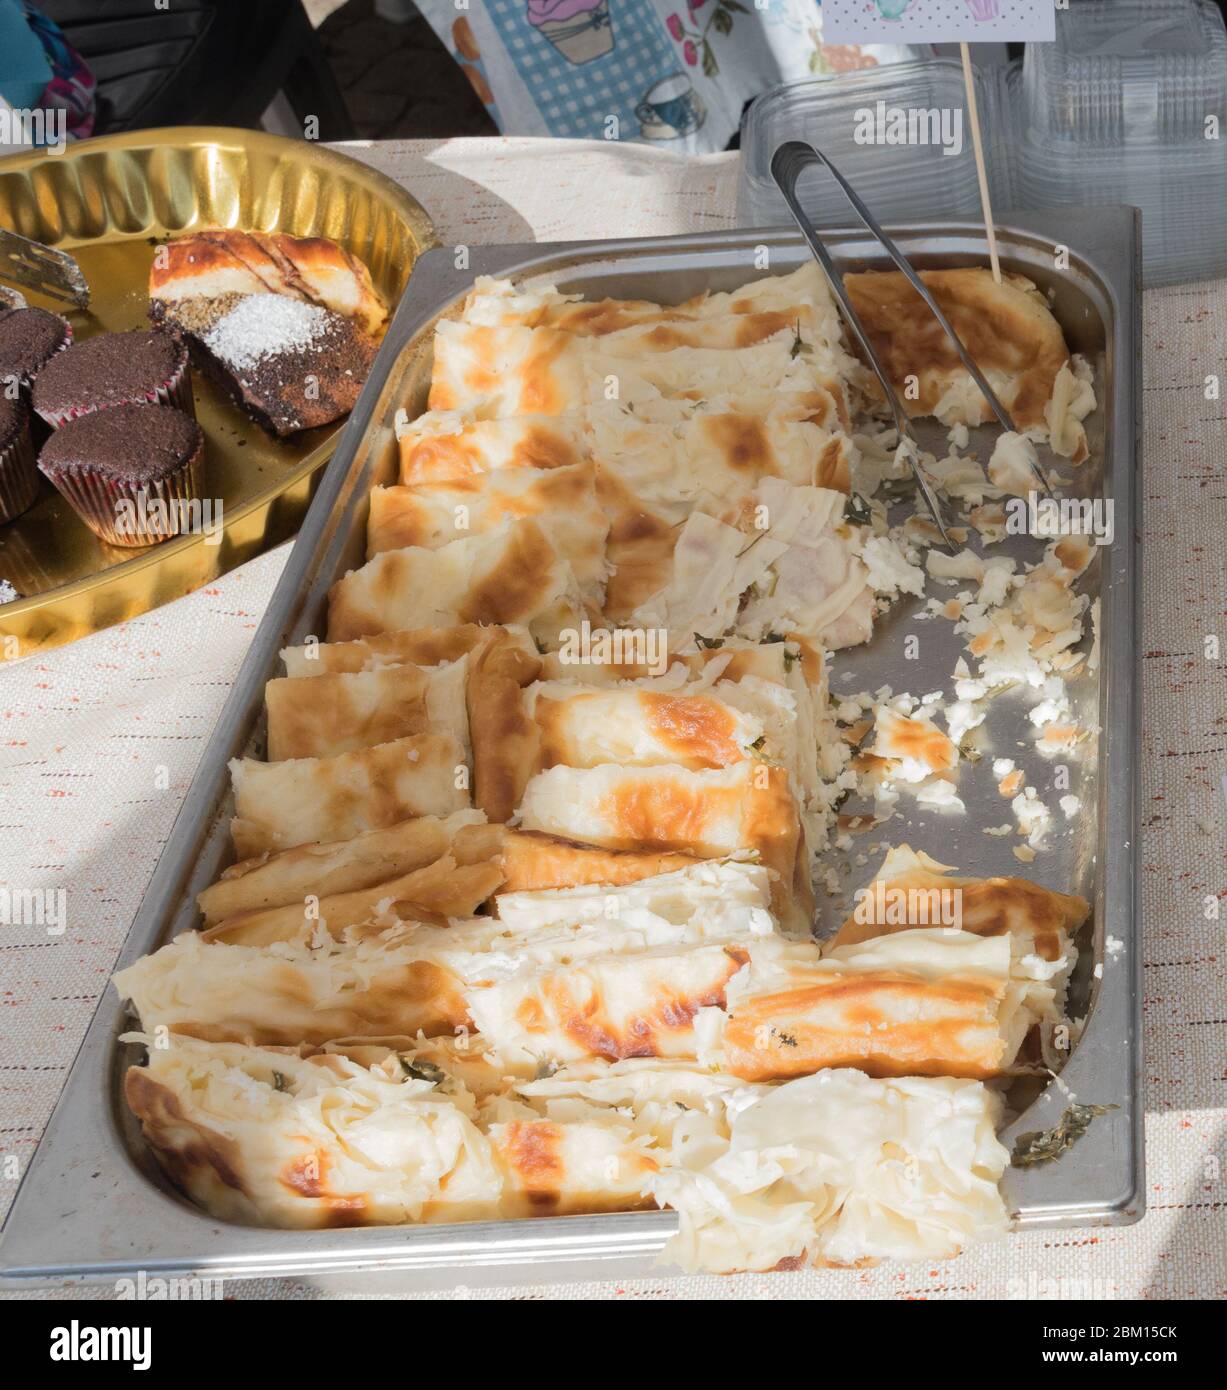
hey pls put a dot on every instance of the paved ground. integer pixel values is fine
(398, 79)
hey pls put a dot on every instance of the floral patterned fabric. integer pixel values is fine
(672, 72)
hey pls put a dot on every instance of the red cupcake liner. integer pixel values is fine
(18, 476)
(96, 496)
(176, 390)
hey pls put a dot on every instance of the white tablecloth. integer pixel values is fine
(99, 741)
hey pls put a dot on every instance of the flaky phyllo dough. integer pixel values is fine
(520, 918)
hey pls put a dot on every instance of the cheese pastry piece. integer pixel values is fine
(309, 800)
(432, 514)
(1040, 922)
(533, 862)
(639, 549)
(710, 890)
(454, 445)
(266, 1137)
(591, 1164)
(641, 1004)
(436, 891)
(920, 1003)
(505, 371)
(513, 574)
(840, 1168)
(275, 879)
(665, 1098)
(1042, 919)
(710, 814)
(322, 716)
(817, 587)
(721, 454)
(503, 737)
(584, 727)
(287, 992)
(364, 965)
(1008, 328)
(510, 371)
(802, 301)
(428, 646)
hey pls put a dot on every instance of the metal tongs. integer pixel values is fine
(42, 268)
(787, 165)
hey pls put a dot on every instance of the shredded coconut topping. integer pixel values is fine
(261, 325)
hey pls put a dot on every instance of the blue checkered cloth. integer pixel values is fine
(577, 99)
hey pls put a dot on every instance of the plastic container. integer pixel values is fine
(1140, 74)
(854, 119)
(1129, 105)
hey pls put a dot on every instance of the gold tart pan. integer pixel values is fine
(110, 201)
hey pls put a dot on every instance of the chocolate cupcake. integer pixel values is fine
(128, 471)
(113, 369)
(29, 339)
(18, 474)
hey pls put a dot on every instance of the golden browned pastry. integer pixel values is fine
(1008, 329)
(1041, 920)
(378, 856)
(536, 862)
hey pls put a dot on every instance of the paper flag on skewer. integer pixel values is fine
(938, 21)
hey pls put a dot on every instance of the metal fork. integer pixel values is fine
(42, 268)
(787, 165)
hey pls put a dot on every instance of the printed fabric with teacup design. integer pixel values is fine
(666, 72)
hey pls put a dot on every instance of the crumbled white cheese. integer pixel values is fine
(940, 793)
(1013, 464)
(961, 717)
(1032, 815)
(965, 565)
(890, 571)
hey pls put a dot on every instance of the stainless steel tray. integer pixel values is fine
(93, 1205)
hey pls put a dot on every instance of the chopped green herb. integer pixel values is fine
(708, 643)
(758, 742)
(423, 1071)
(1046, 1145)
(280, 1083)
(858, 510)
(799, 345)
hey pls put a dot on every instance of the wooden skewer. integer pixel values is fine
(981, 173)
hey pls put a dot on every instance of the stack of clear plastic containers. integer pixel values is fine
(1129, 105)
(852, 118)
